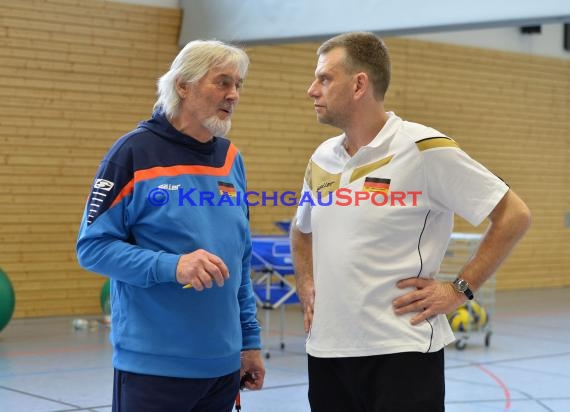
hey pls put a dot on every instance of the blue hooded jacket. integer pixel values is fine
(159, 194)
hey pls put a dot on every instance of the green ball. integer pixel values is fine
(7, 300)
(106, 297)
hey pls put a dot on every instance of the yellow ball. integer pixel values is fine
(483, 318)
(480, 317)
(461, 320)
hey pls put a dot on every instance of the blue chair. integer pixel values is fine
(271, 263)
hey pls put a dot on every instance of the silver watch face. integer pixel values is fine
(461, 285)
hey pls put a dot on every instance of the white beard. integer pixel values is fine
(217, 126)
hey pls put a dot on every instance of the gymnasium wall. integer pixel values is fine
(77, 74)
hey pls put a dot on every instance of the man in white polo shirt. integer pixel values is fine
(366, 251)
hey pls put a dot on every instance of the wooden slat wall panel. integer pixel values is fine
(75, 76)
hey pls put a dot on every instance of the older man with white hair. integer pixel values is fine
(184, 328)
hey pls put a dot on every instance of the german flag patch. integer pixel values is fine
(226, 188)
(376, 184)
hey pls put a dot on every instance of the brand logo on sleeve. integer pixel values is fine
(103, 184)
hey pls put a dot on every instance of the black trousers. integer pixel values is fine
(401, 382)
(133, 392)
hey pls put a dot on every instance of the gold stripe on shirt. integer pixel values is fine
(320, 180)
(435, 142)
(365, 170)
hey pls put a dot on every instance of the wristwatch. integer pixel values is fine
(462, 286)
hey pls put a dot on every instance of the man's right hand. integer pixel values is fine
(306, 293)
(200, 269)
(302, 253)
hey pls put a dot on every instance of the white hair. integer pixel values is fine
(191, 65)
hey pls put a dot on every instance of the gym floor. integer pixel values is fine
(47, 365)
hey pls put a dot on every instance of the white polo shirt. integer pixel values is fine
(361, 251)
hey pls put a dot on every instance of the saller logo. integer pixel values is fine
(103, 184)
(324, 185)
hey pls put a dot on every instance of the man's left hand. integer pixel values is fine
(430, 298)
(252, 365)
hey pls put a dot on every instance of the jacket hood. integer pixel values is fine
(160, 125)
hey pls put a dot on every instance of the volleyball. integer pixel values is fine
(483, 318)
(480, 317)
(461, 320)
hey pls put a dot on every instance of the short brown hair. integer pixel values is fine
(364, 52)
